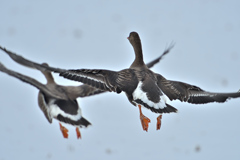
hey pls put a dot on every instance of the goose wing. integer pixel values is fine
(105, 80)
(166, 51)
(190, 93)
(33, 82)
(21, 60)
(81, 91)
(43, 106)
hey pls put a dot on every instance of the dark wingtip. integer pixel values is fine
(2, 66)
(2, 48)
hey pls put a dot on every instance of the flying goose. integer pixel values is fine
(71, 92)
(55, 101)
(142, 86)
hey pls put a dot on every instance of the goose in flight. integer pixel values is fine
(55, 101)
(143, 87)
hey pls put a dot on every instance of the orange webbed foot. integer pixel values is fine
(144, 120)
(159, 122)
(64, 131)
(78, 133)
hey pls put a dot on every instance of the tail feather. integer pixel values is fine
(167, 109)
(82, 122)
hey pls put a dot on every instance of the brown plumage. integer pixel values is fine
(55, 101)
(142, 86)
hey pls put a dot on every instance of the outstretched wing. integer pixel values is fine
(33, 82)
(166, 51)
(19, 59)
(105, 80)
(190, 93)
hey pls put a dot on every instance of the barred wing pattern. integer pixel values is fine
(101, 79)
(124, 80)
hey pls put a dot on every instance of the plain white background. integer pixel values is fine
(75, 34)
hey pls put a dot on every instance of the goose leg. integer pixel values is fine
(64, 131)
(144, 120)
(159, 121)
(78, 133)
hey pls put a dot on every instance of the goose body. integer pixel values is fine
(144, 87)
(55, 101)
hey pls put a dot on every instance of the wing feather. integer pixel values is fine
(166, 51)
(33, 82)
(190, 93)
(43, 106)
(101, 79)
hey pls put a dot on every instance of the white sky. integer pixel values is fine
(74, 34)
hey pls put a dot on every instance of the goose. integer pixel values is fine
(55, 101)
(143, 87)
(74, 91)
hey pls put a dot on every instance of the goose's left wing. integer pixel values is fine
(166, 51)
(190, 93)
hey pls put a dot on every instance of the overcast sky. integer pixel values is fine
(75, 34)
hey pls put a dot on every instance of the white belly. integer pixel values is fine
(55, 111)
(140, 94)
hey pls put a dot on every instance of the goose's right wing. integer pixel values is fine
(19, 59)
(32, 81)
